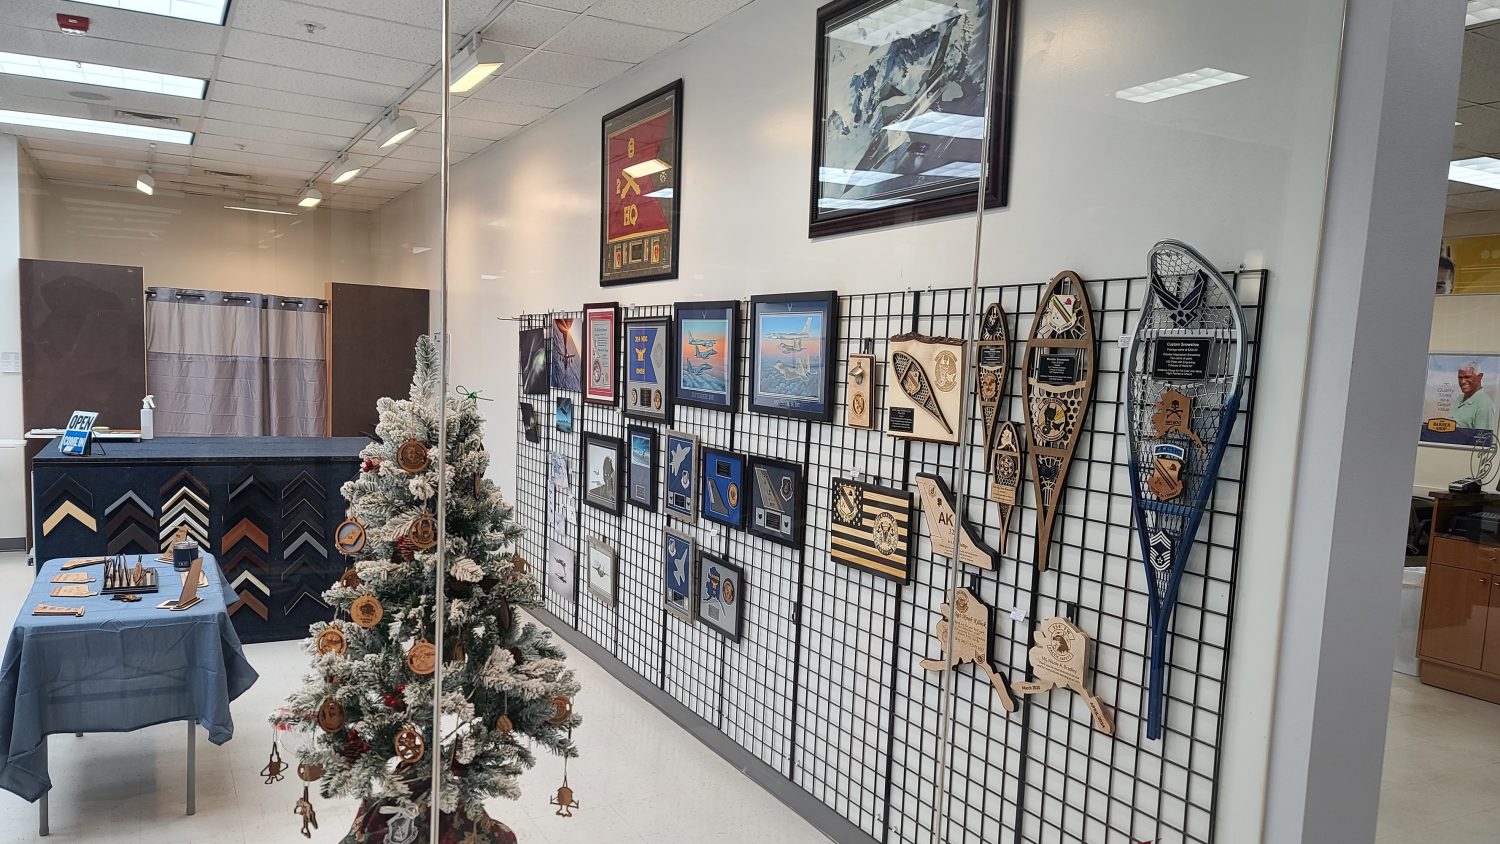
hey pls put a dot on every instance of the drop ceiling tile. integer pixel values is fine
(528, 25)
(1479, 80)
(1462, 187)
(457, 143)
(247, 132)
(331, 61)
(424, 102)
(263, 98)
(1480, 130)
(565, 69)
(116, 25)
(404, 165)
(46, 94)
(1484, 200)
(250, 115)
(606, 39)
(530, 92)
(304, 82)
(482, 130)
(513, 113)
(354, 32)
(569, 5)
(464, 15)
(56, 45)
(666, 14)
(253, 150)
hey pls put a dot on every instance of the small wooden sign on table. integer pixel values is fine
(189, 597)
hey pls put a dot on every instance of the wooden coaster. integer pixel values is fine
(332, 640)
(422, 658)
(412, 456)
(367, 611)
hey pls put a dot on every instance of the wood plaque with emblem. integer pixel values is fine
(952, 536)
(870, 528)
(1060, 660)
(924, 388)
(859, 405)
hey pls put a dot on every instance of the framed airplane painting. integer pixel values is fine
(706, 337)
(792, 339)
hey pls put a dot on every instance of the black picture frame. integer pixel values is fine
(711, 607)
(778, 518)
(643, 497)
(722, 482)
(649, 399)
(917, 198)
(688, 390)
(768, 314)
(606, 493)
(615, 256)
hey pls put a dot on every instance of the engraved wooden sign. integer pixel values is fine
(49, 609)
(72, 577)
(991, 356)
(1060, 660)
(73, 590)
(951, 536)
(971, 642)
(923, 399)
(859, 410)
(1059, 381)
(1005, 473)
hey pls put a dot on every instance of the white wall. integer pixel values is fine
(12, 456)
(1238, 171)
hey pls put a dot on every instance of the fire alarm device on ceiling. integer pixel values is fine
(75, 24)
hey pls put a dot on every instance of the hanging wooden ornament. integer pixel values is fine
(310, 771)
(1005, 473)
(349, 537)
(350, 579)
(422, 532)
(1060, 660)
(421, 658)
(859, 410)
(520, 564)
(331, 716)
(502, 614)
(564, 799)
(366, 611)
(410, 747)
(332, 641)
(562, 710)
(412, 456)
(478, 484)
(458, 653)
(516, 655)
(991, 353)
(970, 619)
(274, 768)
(304, 808)
(504, 725)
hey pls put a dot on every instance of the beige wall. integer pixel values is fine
(32, 189)
(1460, 325)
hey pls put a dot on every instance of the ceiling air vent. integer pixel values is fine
(146, 117)
(228, 175)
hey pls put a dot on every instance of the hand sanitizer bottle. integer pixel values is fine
(148, 424)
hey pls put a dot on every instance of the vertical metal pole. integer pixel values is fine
(440, 567)
(41, 805)
(966, 402)
(192, 768)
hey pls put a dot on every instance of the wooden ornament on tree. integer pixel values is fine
(304, 809)
(562, 710)
(422, 532)
(350, 579)
(366, 611)
(951, 536)
(331, 716)
(1005, 473)
(504, 725)
(332, 641)
(1060, 659)
(412, 456)
(970, 619)
(520, 564)
(410, 747)
(860, 383)
(310, 771)
(421, 658)
(274, 768)
(349, 537)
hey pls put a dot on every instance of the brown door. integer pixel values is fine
(1491, 661)
(1455, 607)
(372, 332)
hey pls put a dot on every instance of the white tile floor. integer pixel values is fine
(641, 778)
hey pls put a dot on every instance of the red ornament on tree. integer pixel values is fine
(369, 465)
(394, 699)
(355, 745)
(405, 548)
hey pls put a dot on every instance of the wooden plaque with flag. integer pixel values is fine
(870, 528)
(642, 154)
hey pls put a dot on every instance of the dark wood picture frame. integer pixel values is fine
(791, 509)
(616, 445)
(707, 562)
(960, 197)
(670, 97)
(782, 304)
(685, 395)
(648, 501)
(666, 377)
(591, 314)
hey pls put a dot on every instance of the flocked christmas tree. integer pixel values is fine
(367, 705)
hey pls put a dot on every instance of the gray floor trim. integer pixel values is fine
(824, 819)
(12, 543)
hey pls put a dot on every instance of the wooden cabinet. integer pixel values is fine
(1491, 661)
(1459, 640)
(1455, 612)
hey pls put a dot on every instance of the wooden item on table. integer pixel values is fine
(1059, 381)
(73, 590)
(562, 710)
(121, 577)
(951, 535)
(991, 358)
(421, 658)
(1005, 473)
(331, 641)
(274, 768)
(923, 395)
(189, 596)
(1060, 660)
(410, 747)
(366, 611)
(179, 535)
(126, 597)
(859, 409)
(202, 579)
(72, 577)
(349, 537)
(422, 533)
(412, 457)
(304, 808)
(870, 528)
(49, 609)
(80, 562)
(331, 716)
(970, 622)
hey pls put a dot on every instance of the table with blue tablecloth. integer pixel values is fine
(119, 667)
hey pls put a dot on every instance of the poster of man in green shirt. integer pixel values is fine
(1459, 407)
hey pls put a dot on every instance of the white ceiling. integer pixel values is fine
(1479, 112)
(285, 97)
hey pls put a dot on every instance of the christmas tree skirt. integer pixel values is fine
(374, 826)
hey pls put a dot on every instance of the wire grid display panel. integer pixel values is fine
(530, 495)
(862, 735)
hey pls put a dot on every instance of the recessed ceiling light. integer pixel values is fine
(898, 20)
(202, 11)
(95, 127)
(941, 123)
(310, 198)
(260, 210)
(395, 129)
(856, 178)
(1174, 86)
(473, 66)
(646, 168)
(103, 75)
(1482, 11)
(1483, 171)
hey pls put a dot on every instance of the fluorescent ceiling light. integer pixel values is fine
(310, 198)
(893, 22)
(473, 66)
(95, 127)
(145, 184)
(395, 129)
(859, 204)
(202, 11)
(940, 123)
(1173, 86)
(646, 168)
(107, 76)
(260, 210)
(344, 171)
(664, 193)
(958, 169)
(1482, 11)
(857, 178)
(1483, 171)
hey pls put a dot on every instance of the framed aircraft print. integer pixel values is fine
(535, 376)
(776, 493)
(648, 369)
(642, 156)
(792, 339)
(601, 325)
(563, 359)
(640, 479)
(601, 472)
(706, 336)
(679, 577)
(681, 500)
(721, 596)
(600, 570)
(723, 495)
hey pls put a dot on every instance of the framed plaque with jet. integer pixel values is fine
(681, 501)
(792, 338)
(721, 596)
(642, 155)
(679, 573)
(648, 369)
(723, 496)
(640, 480)
(776, 493)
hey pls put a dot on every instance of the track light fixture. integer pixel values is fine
(395, 129)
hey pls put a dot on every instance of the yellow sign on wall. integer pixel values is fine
(1476, 263)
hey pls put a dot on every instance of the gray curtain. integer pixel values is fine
(235, 364)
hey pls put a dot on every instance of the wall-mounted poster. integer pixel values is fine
(870, 528)
(648, 369)
(562, 415)
(561, 505)
(602, 469)
(721, 595)
(679, 552)
(640, 481)
(599, 573)
(601, 325)
(1458, 405)
(706, 335)
(776, 493)
(682, 476)
(561, 561)
(565, 359)
(899, 106)
(530, 423)
(792, 338)
(924, 394)
(723, 498)
(533, 356)
(642, 155)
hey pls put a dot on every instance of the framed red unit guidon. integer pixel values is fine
(642, 152)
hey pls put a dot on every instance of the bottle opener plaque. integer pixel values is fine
(951, 536)
(859, 410)
(923, 395)
(971, 642)
(1060, 660)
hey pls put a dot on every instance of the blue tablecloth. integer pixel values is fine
(120, 667)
